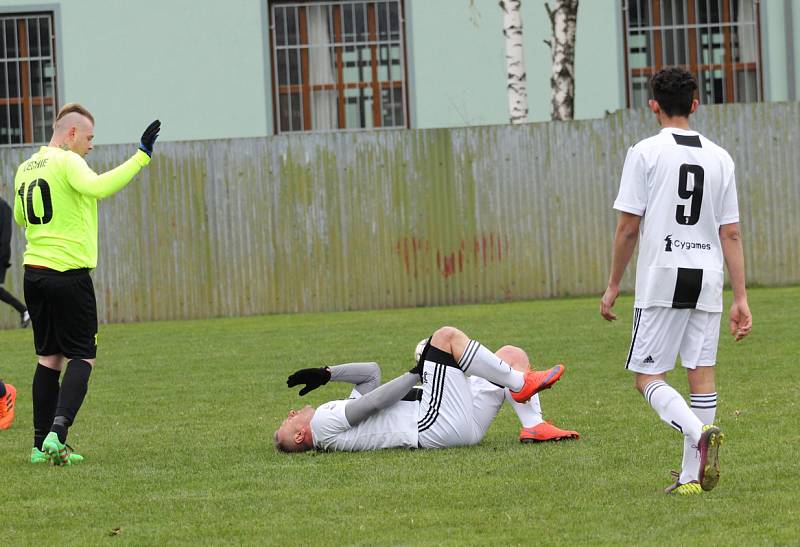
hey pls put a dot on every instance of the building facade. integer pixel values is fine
(246, 68)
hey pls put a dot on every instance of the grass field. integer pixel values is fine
(177, 427)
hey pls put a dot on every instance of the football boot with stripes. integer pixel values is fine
(684, 489)
(7, 403)
(536, 381)
(37, 456)
(690, 488)
(710, 441)
(58, 452)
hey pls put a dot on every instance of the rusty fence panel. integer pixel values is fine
(386, 219)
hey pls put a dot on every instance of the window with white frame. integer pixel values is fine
(716, 40)
(338, 64)
(28, 86)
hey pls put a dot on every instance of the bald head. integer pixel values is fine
(294, 434)
(285, 442)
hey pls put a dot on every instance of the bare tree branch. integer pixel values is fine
(550, 13)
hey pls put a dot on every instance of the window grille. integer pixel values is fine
(716, 40)
(338, 65)
(28, 86)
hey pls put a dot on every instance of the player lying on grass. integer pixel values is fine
(450, 409)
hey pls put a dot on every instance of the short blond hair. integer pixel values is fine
(69, 108)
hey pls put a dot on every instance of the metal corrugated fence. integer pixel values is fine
(381, 219)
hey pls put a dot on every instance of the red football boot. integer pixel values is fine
(536, 381)
(7, 407)
(545, 431)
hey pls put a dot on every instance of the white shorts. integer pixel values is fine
(455, 410)
(660, 334)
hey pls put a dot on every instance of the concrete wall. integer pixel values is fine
(458, 66)
(204, 67)
(781, 49)
(199, 66)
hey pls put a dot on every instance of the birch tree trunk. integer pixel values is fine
(515, 66)
(563, 20)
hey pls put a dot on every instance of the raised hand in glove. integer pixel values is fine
(311, 377)
(149, 137)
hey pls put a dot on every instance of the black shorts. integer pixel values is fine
(63, 312)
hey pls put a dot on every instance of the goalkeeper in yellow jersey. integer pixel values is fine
(56, 202)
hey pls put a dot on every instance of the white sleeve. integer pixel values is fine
(730, 201)
(328, 421)
(632, 197)
(358, 410)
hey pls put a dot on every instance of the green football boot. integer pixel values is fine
(37, 456)
(59, 453)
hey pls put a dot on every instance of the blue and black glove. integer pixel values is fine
(311, 377)
(149, 137)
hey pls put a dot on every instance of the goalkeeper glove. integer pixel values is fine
(149, 137)
(311, 377)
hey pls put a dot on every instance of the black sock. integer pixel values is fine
(8, 298)
(45, 398)
(2, 389)
(73, 391)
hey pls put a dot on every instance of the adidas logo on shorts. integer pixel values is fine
(648, 360)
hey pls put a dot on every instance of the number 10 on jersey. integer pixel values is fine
(28, 204)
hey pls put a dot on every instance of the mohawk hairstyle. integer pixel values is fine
(69, 108)
(673, 88)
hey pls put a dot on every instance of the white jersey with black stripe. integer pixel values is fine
(393, 427)
(683, 186)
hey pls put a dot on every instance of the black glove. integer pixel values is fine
(311, 377)
(149, 137)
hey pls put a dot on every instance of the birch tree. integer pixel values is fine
(515, 67)
(563, 20)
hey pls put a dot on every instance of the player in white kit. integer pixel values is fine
(677, 196)
(451, 409)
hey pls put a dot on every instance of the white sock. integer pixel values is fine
(671, 408)
(478, 360)
(530, 413)
(704, 406)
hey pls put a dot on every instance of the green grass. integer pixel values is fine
(177, 429)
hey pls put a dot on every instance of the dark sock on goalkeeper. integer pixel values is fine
(45, 398)
(8, 298)
(73, 391)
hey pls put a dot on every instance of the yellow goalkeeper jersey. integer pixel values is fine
(56, 202)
